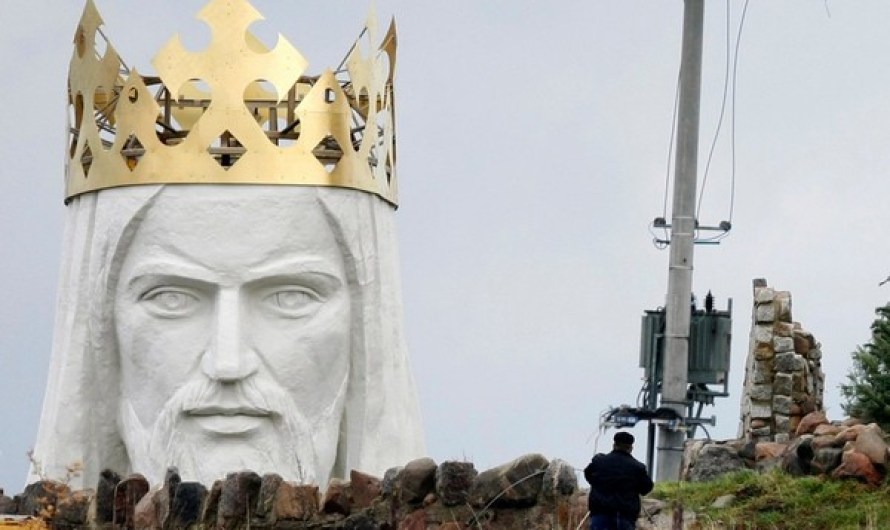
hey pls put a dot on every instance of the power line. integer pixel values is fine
(722, 113)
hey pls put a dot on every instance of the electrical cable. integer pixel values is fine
(734, 83)
(735, 68)
(722, 112)
(733, 57)
(657, 242)
(670, 157)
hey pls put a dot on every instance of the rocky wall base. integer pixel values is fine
(839, 450)
(528, 493)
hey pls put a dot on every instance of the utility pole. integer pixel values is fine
(670, 449)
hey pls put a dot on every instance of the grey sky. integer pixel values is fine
(533, 141)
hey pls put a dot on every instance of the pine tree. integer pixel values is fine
(868, 392)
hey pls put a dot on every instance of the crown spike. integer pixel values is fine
(255, 119)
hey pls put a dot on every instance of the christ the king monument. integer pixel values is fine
(230, 296)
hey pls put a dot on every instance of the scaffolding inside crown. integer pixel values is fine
(278, 117)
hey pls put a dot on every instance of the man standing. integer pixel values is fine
(616, 482)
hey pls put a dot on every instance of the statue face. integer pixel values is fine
(232, 321)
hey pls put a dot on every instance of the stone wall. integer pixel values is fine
(783, 373)
(844, 449)
(530, 493)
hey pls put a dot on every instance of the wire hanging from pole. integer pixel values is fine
(722, 113)
(732, 57)
(735, 68)
(734, 83)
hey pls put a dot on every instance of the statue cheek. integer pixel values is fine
(173, 347)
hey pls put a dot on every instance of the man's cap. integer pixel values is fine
(624, 438)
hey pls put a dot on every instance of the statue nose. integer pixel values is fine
(228, 359)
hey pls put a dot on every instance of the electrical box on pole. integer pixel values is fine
(707, 373)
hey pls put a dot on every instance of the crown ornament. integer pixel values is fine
(234, 113)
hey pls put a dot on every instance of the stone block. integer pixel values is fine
(794, 423)
(691, 449)
(73, 510)
(826, 440)
(388, 485)
(783, 329)
(760, 409)
(416, 480)
(187, 504)
(782, 405)
(826, 459)
(815, 354)
(762, 374)
(855, 465)
(337, 498)
(759, 423)
(764, 313)
(211, 505)
(802, 343)
(798, 383)
(295, 502)
(559, 480)
(762, 334)
(809, 422)
(763, 351)
(127, 495)
(782, 345)
(266, 498)
(238, 498)
(788, 362)
(849, 434)
(766, 450)
(783, 306)
(7, 504)
(145, 513)
(365, 489)
(164, 499)
(40, 498)
(761, 392)
(761, 434)
(797, 457)
(826, 429)
(453, 482)
(783, 423)
(108, 479)
(764, 295)
(715, 460)
(870, 442)
(782, 384)
(782, 437)
(515, 484)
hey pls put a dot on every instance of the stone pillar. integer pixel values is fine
(783, 373)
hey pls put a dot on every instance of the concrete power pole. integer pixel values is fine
(670, 449)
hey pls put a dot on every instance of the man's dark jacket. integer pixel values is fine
(616, 482)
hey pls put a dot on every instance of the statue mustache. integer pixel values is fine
(204, 397)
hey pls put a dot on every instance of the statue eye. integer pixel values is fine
(292, 302)
(171, 302)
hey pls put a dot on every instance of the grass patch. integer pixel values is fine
(777, 501)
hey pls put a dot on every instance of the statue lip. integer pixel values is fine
(221, 420)
(217, 410)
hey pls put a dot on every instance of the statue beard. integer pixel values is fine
(294, 447)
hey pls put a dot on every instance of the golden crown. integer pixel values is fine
(235, 113)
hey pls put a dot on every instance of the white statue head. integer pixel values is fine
(222, 328)
(232, 319)
(229, 295)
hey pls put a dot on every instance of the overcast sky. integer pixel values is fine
(533, 142)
